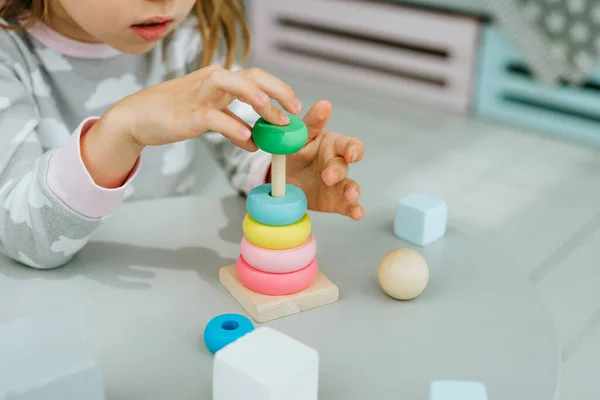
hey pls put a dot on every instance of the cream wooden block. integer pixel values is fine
(264, 308)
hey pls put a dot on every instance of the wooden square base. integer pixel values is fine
(264, 308)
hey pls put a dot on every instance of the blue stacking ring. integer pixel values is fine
(276, 211)
(225, 329)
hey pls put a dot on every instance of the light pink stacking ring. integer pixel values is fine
(279, 261)
(275, 284)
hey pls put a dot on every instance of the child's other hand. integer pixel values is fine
(188, 106)
(321, 167)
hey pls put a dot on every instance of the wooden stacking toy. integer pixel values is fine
(277, 273)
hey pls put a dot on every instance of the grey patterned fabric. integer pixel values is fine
(45, 96)
(560, 39)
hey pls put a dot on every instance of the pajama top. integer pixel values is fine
(51, 89)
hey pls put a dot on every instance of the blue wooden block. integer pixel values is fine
(420, 218)
(457, 390)
(41, 359)
(506, 92)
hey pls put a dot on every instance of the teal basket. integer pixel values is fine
(507, 92)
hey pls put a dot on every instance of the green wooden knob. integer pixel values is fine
(276, 139)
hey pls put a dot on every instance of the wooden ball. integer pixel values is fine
(403, 274)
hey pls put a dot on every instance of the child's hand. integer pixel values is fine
(321, 167)
(186, 107)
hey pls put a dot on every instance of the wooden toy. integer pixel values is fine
(277, 272)
(277, 237)
(225, 329)
(264, 308)
(266, 364)
(279, 141)
(273, 210)
(420, 218)
(42, 359)
(274, 283)
(403, 274)
(457, 390)
(280, 261)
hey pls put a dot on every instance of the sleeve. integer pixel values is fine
(46, 212)
(245, 170)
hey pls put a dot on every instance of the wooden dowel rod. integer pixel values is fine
(278, 175)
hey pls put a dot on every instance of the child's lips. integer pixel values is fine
(155, 20)
(152, 29)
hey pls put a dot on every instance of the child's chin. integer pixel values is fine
(134, 47)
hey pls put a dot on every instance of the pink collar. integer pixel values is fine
(70, 47)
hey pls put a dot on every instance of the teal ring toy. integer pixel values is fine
(225, 329)
(276, 211)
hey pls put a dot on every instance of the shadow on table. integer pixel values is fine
(127, 266)
(234, 208)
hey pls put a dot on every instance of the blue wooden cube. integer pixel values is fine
(420, 218)
(41, 359)
(457, 390)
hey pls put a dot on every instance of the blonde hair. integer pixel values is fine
(218, 19)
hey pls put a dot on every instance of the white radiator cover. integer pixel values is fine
(424, 56)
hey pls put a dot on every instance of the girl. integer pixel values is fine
(86, 86)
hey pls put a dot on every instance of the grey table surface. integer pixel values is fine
(143, 289)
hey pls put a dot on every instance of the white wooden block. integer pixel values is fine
(264, 308)
(41, 359)
(266, 364)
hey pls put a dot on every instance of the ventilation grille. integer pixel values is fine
(561, 109)
(414, 54)
(507, 91)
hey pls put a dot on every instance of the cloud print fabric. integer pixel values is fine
(51, 91)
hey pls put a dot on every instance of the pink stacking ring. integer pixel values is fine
(279, 261)
(275, 284)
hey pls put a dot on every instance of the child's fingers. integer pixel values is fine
(248, 145)
(348, 193)
(335, 171)
(317, 117)
(350, 148)
(355, 211)
(351, 190)
(232, 128)
(242, 88)
(275, 88)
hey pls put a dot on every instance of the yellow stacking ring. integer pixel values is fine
(277, 237)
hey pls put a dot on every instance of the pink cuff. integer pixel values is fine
(259, 170)
(69, 180)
